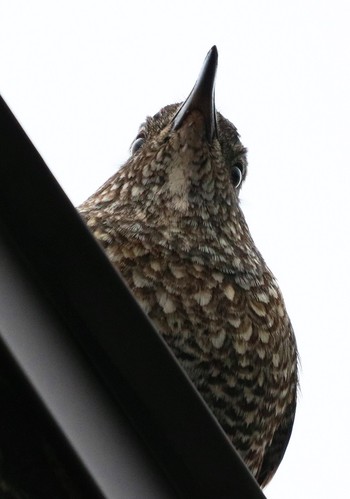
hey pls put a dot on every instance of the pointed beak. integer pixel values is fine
(202, 96)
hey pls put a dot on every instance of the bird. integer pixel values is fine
(170, 221)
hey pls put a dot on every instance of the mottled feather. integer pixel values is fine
(171, 222)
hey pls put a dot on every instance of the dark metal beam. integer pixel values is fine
(103, 326)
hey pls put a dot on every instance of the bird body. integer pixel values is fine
(171, 222)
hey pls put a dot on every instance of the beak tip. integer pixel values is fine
(213, 52)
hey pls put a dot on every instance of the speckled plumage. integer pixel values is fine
(171, 222)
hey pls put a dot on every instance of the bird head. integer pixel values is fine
(181, 183)
(188, 158)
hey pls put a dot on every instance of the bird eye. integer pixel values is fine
(135, 146)
(236, 175)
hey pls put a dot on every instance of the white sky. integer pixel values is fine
(81, 75)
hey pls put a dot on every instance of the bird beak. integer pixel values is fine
(202, 96)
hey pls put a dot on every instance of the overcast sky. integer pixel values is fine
(80, 76)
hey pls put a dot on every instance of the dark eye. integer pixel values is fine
(138, 142)
(236, 175)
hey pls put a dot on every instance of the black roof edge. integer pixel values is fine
(122, 347)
